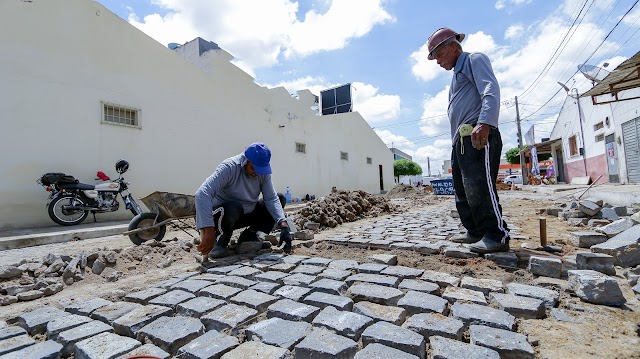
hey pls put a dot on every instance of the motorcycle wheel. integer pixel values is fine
(145, 220)
(65, 217)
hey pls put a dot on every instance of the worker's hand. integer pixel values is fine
(207, 240)
(480, 136)
(285, 238)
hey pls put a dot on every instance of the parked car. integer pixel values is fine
(513, 179)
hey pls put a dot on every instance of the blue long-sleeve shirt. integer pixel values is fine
(474, 93)
(229, 182)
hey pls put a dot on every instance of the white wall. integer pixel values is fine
(63, 57)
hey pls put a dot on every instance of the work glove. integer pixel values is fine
(285, 238)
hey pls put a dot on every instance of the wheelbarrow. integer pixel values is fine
(173, 209)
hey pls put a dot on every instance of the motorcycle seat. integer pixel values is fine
(80, 186)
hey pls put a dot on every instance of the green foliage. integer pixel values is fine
(406, 168)
(513, 156)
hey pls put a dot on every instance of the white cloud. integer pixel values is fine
(513, 31)
(502, 4)
(422, 68)
(434, 116)
(393, 140)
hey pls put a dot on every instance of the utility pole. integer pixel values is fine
(522, 165)
(429, 166)
(584, 145)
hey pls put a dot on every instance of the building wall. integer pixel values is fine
(64, 57)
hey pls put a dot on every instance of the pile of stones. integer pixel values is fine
(592, 213)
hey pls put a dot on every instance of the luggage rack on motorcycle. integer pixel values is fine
(174, 209)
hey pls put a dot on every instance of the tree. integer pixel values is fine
(406, 168)
(513, 156)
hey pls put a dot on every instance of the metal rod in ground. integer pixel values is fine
(543, 231)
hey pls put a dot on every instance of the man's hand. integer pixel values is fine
(480, 136)
(207, 240)
(285, 237)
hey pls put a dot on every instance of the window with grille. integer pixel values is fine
(598, 126)
(301, 147)
(600, 137)
(573, 146)
(344, 156)
(120, 115)
(369, 161)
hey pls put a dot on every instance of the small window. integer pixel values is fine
(369, 160)
(573, 146)
(301, 147)
(120, 115)
(600, 137)
(598, 126)
(344, 156)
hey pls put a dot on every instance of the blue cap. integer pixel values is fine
(259, 155)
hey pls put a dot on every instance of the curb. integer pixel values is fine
(30, 240)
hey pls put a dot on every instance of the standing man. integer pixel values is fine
(229, 199)
(474, 104)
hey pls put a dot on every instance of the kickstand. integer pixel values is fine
(94, 217)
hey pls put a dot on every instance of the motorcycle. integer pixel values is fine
(70, 201)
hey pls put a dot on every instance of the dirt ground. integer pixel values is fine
(601, 332)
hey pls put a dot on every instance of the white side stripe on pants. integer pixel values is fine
(221, 211)
(492, 194)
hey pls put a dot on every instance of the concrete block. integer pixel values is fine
(508, 344)
(219, 291)
(322, 300)
(377, 351)
(444, 348)
(377, 312)
(70, 337)
(455, 294)
(587, 239)
(15, 343)
(171, 333)
(433, 324)
(64, 323)
(419, 286)
(35, 322)
(485, 286)
(211, 344)
(172, 298)
(402, 272)
(44, 350)
(473, 314)
(329, 286)
(130, 323)
(374, 293)
(595, 287)
(347, 324)
(323, 344)
(417, 302)
(519, 307)
(143, 297)
(378, 279)
(104, 346)
(113, 311)
(545, 266)
(442, 279)
(396, 337)
(199, 306)
(288, 309)
(228, 317)
(147, 349)
(624, 248)
(599, 262)
(388, 259)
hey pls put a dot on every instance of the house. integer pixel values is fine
(81, 88)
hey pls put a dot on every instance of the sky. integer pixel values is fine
(379, 46)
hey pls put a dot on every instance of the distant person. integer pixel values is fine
(474, 101)
(229, 199)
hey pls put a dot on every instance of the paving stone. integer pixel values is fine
(508, 344)
(322, 300)
(208, 277)
(236, 282)
(442, 279)
(70, 337)
(562, 316)
(454, 294)
(402, 245)
(545, 266)
(419, 286)
(191, 285)
(269, 257)
(474, 314)
(608, 213)
(299, 279)
(171, 333)
(11, 331)
(425, 247)
(172, 298)
(616, 227)
(485, 286)
(396, 337)
(587, 239)
(548, 296)
(292, 292)
(35, 322)
(377, 312)
(359, 243)
(147, 349)
(379, 243)
(224, 269)
(211, 344)
(279, 332)
(167, 284)
(15, 343)
(519, 307)
(256, 350)
(343, 264)
(266, 287)
(417, 302)
(329, 286)
(198, 307)
(378, 351)
(374, 293)
(288, 309)
(245, 272)
(378, 279)
(113, 311)
(58, 325)
(402, 272)
(434, 324)
(283, 267)
(599, 262)
(335, 274)
(29, 295)
(271, 276)
(219, 291)
(143, 297)
(308, 269)
(388, 259)
(344, 323)
(294, 259)
(130, 323)
(104, 346)
(595, 287)
(371, 268)
(43, 350)
(459, 252)
(444, 348)
(323, 344)
(254, 299)
(624, 247)
(317, 261)
(228, 317)
(505, 259)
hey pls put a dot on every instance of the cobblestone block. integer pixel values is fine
(545, 266)
(104, 346)
(402, 245)
(167, 284)
(191, 285)
(359, 243)
(147, 349)
(371, 268)
(419, 286)
(402, 272)
(70, 337)
(279, 332)
(299, 279)
(211, 344)
(599, 262)
(430, 324)
(43, 350)
(378, 279)
(624, 247)
(113, 311)
(329, 286)
(266, 287)
(508, 344)
(144, 296)
(198, 307)
(485, 286)
(224, 269)
(66, 322)
(379, 243)
(283, 267)
(269, 257)
(171, 333)
(292, 292)
(473, 314)
(288, 309)
(86, 307)
(130, 323)
(444, 348)
(317, 261)
(459, 252)
(595, 287)
(616, 227)
(347, 324)
(343, 264)
(172, 298)
(548, 296)
(208, 277)
(378, 351)
(425, 247)
(323, 344)
(256, 350)
(505, 259)
(35, 322)
(228, 317)
(396, 337)
(294, 259)
(335, 274)
(519, 307)
(377, 312)
(322, 300)
(417, 302)
(15, 343)
(245, 272)
(388, 259)
(442, 279)
(587, 239)
(308, 269)
(374, 293)
(271, 276)
(12, 331)
(454, 294)
(254, 299)
(236, 282)
(219, 291)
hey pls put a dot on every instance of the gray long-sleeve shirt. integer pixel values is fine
(229, 182)
(474, 93)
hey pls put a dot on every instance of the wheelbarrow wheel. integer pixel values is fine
(146, 220)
